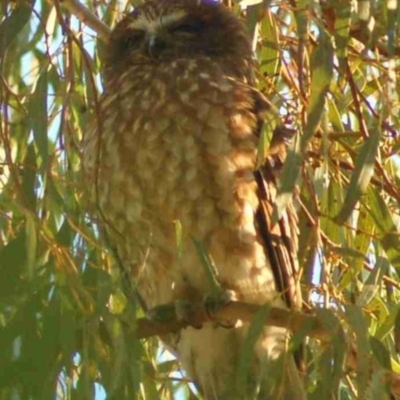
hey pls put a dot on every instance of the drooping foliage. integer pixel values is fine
(67, 320)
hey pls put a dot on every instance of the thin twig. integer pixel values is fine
(87, 17)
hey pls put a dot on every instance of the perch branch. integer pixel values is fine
(232, 313)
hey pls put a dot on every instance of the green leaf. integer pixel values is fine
(12, 266)
(362, 240)
(379, 388)
(38, 115)
(359, 325)
(389, 325)
(178, 237)
(54, 195)
(324, 385)
(393, 23)
(361, 177)
(65, 234)
(373, 283)
(28, 177)
(31, 244)
(380, 353)
(254, 12)
(334, 116)
(387, 230)
(330, 202)
(322, 73)
(209, 267)
(288, 179)
(117, 336)
(246, 355)
(117, 302)
(334, 356)
(270, 52)
(342, 31)
(397, 331)
(301, 15)
(13, 24)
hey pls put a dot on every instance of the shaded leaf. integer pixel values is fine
(246, 355)
(28, 176)
(342, 31)
(13, 259)
(14, 23)
(388, 233)
(380, 353)
(359, 325)
(31, 244)
(360, 179)
(38, 116)
(397, 331)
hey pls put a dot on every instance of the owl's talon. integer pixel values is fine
(181, 310)
(162, 313)
(214, 303)
(184, 312)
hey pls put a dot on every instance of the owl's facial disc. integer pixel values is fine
(152, 24)
(165, 32)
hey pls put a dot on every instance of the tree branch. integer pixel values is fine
(87, 17)
(231, 313)
(235, 311)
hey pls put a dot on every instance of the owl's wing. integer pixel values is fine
(280, 239)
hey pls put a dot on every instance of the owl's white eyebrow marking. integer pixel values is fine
(151, 23)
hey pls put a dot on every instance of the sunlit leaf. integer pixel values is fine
(342, 30)
(360, 179)
(270, 46)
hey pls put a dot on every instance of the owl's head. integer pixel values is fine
(162, 31)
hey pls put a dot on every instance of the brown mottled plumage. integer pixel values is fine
(180, 123)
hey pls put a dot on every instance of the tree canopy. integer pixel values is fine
(70, 328)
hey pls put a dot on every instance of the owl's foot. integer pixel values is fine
(214, 302)
(185, 312)
(180, 310)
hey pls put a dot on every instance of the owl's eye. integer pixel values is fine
(134, 36)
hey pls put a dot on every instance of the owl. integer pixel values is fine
(175, 145)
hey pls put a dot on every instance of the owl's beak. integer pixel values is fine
(155, 45)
